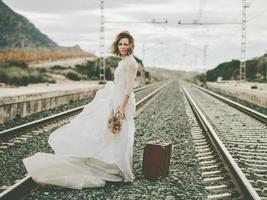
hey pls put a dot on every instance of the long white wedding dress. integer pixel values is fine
(87, 154)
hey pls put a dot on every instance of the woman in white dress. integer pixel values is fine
(87, 153)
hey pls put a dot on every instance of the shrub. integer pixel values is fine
(20, 64)
(20, 76)
(148, 81)
(73, 76)
(50, 81)
(42, 69)
(58, 67)
(102, 82)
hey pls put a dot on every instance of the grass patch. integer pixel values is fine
(68, 72)
(18, 73)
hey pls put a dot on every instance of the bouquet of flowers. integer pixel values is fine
(115, 122)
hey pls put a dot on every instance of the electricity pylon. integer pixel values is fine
(102, 61)
(243, 42)
(243, 36)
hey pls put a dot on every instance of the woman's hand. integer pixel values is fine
(121, 109)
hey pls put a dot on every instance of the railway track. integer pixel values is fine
(231, 141)
(25, 185)
(217, 183)
(20, 130)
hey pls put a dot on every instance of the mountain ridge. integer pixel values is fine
(20, 40)
(16, 31)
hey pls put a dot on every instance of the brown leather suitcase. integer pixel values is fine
(156, 159)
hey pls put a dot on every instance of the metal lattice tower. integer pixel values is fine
(102, 61)
(205, 56)
(204, 51)
(243, 42)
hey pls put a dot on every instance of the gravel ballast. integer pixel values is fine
(11, 153)
(163, 118)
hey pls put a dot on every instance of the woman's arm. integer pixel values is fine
(131, 71)
(124, 103)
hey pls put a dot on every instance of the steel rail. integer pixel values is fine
(257, 115)
(18, 129)
(25, 185)
(241, 182)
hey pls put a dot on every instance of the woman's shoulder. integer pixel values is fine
(130, 61)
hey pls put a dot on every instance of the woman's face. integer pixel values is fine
(124, 46)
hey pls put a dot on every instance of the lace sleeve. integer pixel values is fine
(131, 71)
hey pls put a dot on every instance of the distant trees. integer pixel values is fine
(255, 70)
(16, 71)
(92, 70)
(225, 70)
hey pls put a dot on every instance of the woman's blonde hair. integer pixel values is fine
(114, 47)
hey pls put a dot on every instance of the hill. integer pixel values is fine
(20, 40)
(164, 74)
(17, 32)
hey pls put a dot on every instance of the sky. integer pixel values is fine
(171, 45)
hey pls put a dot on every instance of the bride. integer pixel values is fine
(87, 153)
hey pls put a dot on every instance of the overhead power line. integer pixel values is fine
(102, 61)
(207, 23)
(139, 22)
(243, 24)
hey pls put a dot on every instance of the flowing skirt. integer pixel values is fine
(86, 153)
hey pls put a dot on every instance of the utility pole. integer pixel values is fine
(195, 63)
(205, 56)
(102, 60)
(143, 49)
(243, 42)
(204, 51)
(265, 75)
(184, 55)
